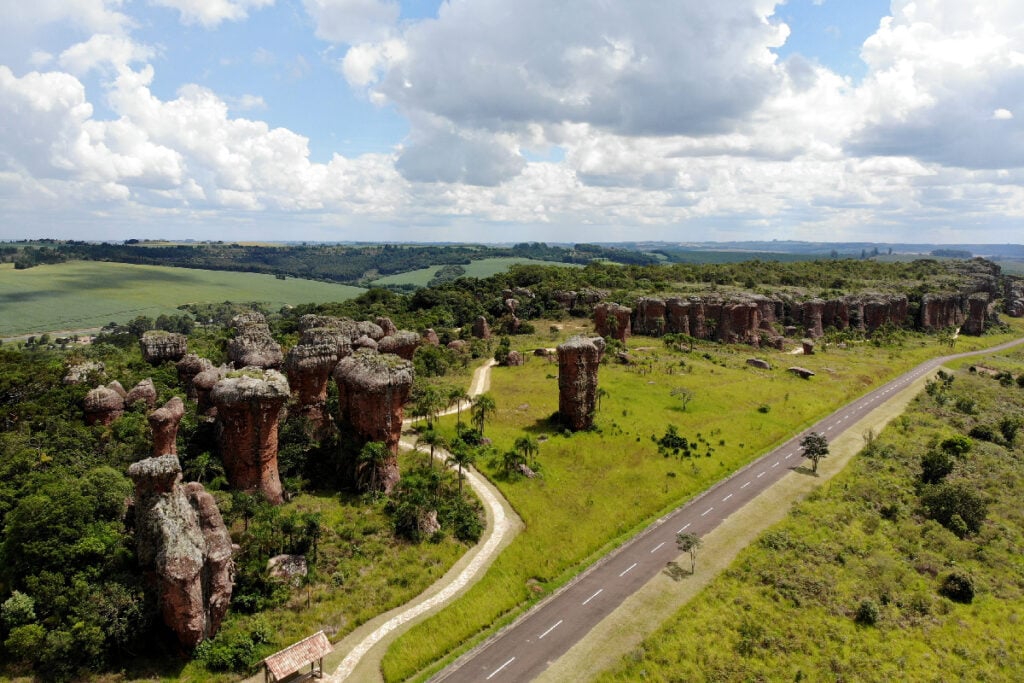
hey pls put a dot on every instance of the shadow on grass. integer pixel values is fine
(806, 471)
(676, 572)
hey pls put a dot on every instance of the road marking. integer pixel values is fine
(745, 485)
(552, 628)
(495, 672)
(776, 464)
(788, 456)
(828, 429)
(599, 591)
(657, 547)
(684, 528)
(620, 575)
(727, 498)
(760, 475)
(706, 511)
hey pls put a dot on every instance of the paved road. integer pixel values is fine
(524, 649)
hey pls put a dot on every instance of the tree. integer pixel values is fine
(689, 543)
(599, 394)
(528, 447)
(428, 403)
(371, 459)
(683, 394)
(956, 506)
(483, 407)
(434, 440)
(815, 447)
(456, 397)
(462, 455)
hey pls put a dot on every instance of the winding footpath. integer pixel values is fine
(525, 649)
(502, 526)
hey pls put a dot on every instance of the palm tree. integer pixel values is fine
(455, 398)
(599, 394)
(463, 455)
(483, 407)
(434, 440)
(528, 447)
(371, 459)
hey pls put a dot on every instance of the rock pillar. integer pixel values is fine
(578, 361)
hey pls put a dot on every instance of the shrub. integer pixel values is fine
(956, 506)
(867, 612)
(958, 587)
(935, 465)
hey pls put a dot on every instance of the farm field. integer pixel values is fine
(597, 488)
(84, 294)
(480, 269)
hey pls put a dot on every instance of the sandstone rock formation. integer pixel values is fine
(103, 405)
(183, 547)
(759, 363)
(369, 329)
(402, 343)
(144, 391)
(309, 366)
(365, 342)
(188, 367)
(430, 337)
(939, 311)
(372, 390)
(613, 320)
(386, 326)
(253, 345)
(808, 347)
(203, 384)
(1013, 297)
(249, 403)
(977, 315)
(514, 359)
(116, 386)
(481, 330)
(801, 372)
(84, 372)
(459, 345)
(159, 346)
(288, 568)
(578, 362)
(164, 422)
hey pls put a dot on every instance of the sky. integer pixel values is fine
(512, 120)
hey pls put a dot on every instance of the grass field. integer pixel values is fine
(85, 294)
(599, 487)
(848, 586)
(481, 269)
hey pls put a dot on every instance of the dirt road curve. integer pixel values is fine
(527, 647)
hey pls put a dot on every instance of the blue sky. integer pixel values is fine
(491, 120)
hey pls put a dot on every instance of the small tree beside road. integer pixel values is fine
(815, 447)
(689, 543)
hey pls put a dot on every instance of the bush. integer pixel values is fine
(867, 612)
(956, 506)
(958, 587)
(935, 466)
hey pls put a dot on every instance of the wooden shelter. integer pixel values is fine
(282, 665)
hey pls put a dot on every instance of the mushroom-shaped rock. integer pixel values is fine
(481, 330)
(188, 367)
(159, 346)
(84, 372)
(808, 347)
(613, 320)
(254, 347)
(430, 337)
(369, 329)
(578, 361)
(386, 326)
(164, 422)
(402, 343)
(203, 384)
(309, 366)
(365, 342)
(180, 542)
(249, 402)
(103, 405)
(144, 391)
(116, 386)
(514, 359)
(372, 389)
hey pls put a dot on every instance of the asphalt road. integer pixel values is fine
(524, 649)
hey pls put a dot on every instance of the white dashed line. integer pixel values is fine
(745, 485)
(706, 511)
(776, 464)
(788, 456)
(624, 572)
(761, 475)
(684, 528)
(657, 547)
(495, 672)
(599, 591)
(727, 498)
(552, 628)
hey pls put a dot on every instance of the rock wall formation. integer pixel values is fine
(253, 345)
(977, 314)
(309, 367)
(613, 320)
(939, 311)
(203, 384)
(578, 361)
(103, 405)
(1013, 297)
(249, 403)
(188, 367)
(183, 547)
(164, 422)
(372, 389)
(159, 346)
(481, 330)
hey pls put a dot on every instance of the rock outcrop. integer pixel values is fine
(365, 342)
(386, 326)
(1013, 297)
(84, 372)
(759, 363)
(940, 311)
(578, 362)
(801, 372)
(613, 320)
(372, 390)
(183, 548)
(144, 391)
(369, 329)
(203, 384)
(481, 330)
(253, 345)
(401, 343)
(188, 367)
(159, 346)
(249, 403)
(103, 405)
(977, 315)
(430, 337)
(309, 366)
(514, 359)
(164, 422)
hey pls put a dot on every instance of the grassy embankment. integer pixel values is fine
(480, 269)
(84, 294)
(599, 487)
(848, 586)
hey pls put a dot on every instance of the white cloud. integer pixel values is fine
(1002, 115)
(353, 21)
(210, 13)
(87, 15)
(103, 50)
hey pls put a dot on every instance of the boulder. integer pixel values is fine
(288, 568)
(365, 328)
(188, 367)
(84, 372)
(386, 326)
(801, 372)
(808, 347)
(578, 362)
(613, 320)
(402, 343)
(372, 390)
(159, 346)
(430, 337)
(459, 345)
(102, 406)
(249, 403)
(144, 391)
(116, 386)
(164, 422)
(428, 524)
(365, 342)
(481, 330)
(253, 346)
(183, 548)
(515, 359)
(759, 363)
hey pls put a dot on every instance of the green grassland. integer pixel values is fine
(792, 605)
(84, 294)
(479, 269)
(599, 487)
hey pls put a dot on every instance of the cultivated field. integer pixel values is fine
(481, 269)
(86, 294)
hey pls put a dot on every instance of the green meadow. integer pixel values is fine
(84, 294)
(599, 487)
(479, 269)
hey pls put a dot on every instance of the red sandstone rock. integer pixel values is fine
(203, 384)
(884, 310)
(459, 345)
(309, 366)
(430, 337)
(164, 422)
(808, 347)
(372, 390)
(143, 391)
(515, 359)
(481, 330)
(613, 320)
(369, 329)
(159, 346)
(812, 312)
(977, 315)
(578, 362)
(1013, 297)
(103, 405)
(386, 326)
(249, 403)
(801, 372)
(116, 386)
(183, 547)
(402, 343)
(365, 342)
(939, 311)
(188, 367)
(649, 318)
